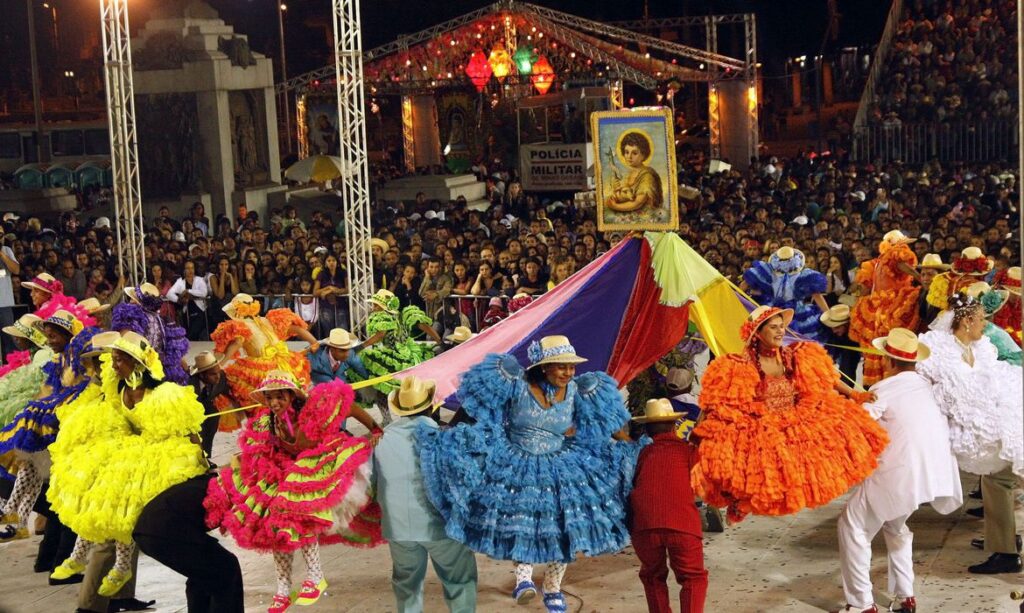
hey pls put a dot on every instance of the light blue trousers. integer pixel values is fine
(454, 564)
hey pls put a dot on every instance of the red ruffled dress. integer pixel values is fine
(247, 371)
(274, 500)
(776, 445)
(892, 302)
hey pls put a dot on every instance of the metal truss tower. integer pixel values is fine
(355, 180)
(124, 151)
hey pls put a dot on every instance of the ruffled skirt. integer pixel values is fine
(875, 315)
(381, 359)
(786, 460)
(34, 428)
(509, 504)
(321, 498)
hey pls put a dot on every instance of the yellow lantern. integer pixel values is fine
(500, 61)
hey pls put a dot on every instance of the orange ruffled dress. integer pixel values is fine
(776, 445)
(265, 350)
(892, 302)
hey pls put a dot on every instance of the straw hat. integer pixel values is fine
(836, 316)
(759, 316)
(65, 321)
(972, 261)
(379, 243)
(991, 299)
(204, 361)
(460, 335)
(678, 379)
(932, 260)
(44, 282)
(339, 338)
(896, 237)
(279, 380)
(93, 306)
(414, 396)
(136, 293)
(657, 410)
(902, 344)
(552, 350)
(139, 348)
(386, 300)
(785, 253)
(1011, 280)
(100, 343)
(239, 300)
(26, 325)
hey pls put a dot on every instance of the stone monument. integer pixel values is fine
(205, 111)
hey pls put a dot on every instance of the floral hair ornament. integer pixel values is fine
(758, 317)
(65, 321)
(552, 350)
(138, 348)
(242, 306)
(990, 299)
(972, 261)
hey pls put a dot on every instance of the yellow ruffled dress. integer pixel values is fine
(110, 461)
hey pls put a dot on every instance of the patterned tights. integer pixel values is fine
(553, 574)
(122, 554)
(27, 486)
(283, 564)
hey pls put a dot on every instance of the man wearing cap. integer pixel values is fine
(8, 267)
(837, 340)
(212, 390)
(335, 357)
(917, 467)
(413, 527)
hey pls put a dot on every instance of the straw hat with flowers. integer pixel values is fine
(278, 380)
(552, 350)
(759, 317)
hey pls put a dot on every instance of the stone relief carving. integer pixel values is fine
(238, 51)
(168, 145)
(248, 138)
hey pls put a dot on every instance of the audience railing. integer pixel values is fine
(915, 143)
(878, 62)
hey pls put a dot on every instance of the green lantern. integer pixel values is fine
(524, 57)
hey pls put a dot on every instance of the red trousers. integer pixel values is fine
(685, 555)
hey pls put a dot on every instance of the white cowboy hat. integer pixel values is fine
(93, 306)
(658, 410)
(101, 343)
(836, 316)
(279, 380)
(461, 334)
(932, 260)
(204, 361)
(678, 379)
(339, 338)
(414, 396)
(971, 254)
(553, 350)
(902, 344)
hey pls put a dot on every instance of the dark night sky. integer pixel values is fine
(786, 28)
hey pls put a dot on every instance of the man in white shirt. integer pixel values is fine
(8, 266)
(191, 292)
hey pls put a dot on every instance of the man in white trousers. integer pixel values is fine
(917, 467)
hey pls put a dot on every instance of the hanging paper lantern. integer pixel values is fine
(500, 62)
(478, 70)
(524, 57)
(543, 75)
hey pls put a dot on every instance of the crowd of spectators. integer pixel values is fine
(442, 255)
(951, 61)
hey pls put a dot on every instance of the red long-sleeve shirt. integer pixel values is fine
(662, 497)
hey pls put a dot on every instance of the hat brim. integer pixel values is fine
(382, 306)
(451, 338)
(12, 331)
(1013, 290)
(565, 358)
(972, 273)
(643, 419)
(787, 318)
(96, 352)
(934, 266)
(260, 391)
(428, 405)
(195, 371)
(923, 352)
(1005, 294)
(832, 323)
(99, 309)
(350, 345)
(33, 285)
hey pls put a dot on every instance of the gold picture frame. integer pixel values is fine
(635, 170)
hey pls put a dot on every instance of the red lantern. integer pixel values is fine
(478, 70)
(543, 75)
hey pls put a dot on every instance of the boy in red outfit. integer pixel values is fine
(665, 522)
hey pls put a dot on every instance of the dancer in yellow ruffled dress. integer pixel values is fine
(149, 441)
(263, 341)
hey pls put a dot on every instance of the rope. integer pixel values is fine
(355, 386)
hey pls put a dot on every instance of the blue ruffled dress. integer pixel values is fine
(513, 486)
(782, 289)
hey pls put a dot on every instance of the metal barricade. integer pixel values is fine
(917, 143)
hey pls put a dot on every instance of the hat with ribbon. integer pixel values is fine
(379, 243)
(414, 396)
(990, 299)
(1010, 280)
(902, 344)
(759, 316)
(787, 260)
(44, 282)
(93, 306)
(27, 327)
(972, 261)
(339, 338)
(386, 300)
(460, 335)
(932, 260)
(204, 361)
(658, 410)
(100, 343)
(552, 350)
(241, 306)
(279, 380)
(139, 349)
(65, 321)
(838, 315)
(138, 293)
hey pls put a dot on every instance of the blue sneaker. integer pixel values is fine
(524, 592)
(555, 602)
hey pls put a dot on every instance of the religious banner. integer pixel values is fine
(635, 172)
(554, 167)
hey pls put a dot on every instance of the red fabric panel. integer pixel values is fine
(649, 329)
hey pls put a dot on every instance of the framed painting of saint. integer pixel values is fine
(635, 170)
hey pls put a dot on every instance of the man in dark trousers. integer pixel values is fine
(210, 383)
(837, 338)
